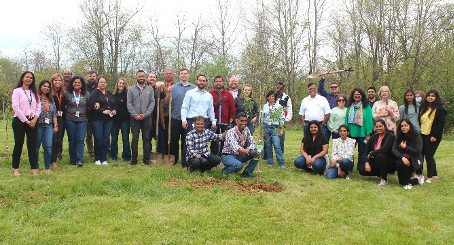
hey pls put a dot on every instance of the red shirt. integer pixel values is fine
(228, 105)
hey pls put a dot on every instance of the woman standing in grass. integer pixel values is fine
(246, 103)
(102, 108)
(386, 109)
(26, 109)
(47, 123)
(76, 98)
(121, 120)
(407, 148)
(410, 109)
(337, 115)
(380, 159)
(314, 148)
(57, 141)
(432, 116)
(342, 154)
(273, 122)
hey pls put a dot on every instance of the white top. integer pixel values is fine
(288, 109)
(314, 108)
(343, 148)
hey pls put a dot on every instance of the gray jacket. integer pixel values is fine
(140, 102)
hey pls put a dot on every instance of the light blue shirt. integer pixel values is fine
(266, 114)
(178, 92)
(196, 103)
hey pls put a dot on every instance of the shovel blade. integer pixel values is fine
(169, 160)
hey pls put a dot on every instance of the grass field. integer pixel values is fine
(120, 204)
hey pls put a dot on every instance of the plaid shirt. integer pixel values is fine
(197, 144)
(233, 141)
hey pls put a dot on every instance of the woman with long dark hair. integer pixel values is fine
(380, 159)
(121, 120)
(47, 123)
(407, 148)
(432, 116)
(410, 109)
(313, 149)
(26, 109)
(359, 120)
(76, 97)
(57, 142)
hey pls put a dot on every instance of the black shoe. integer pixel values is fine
(133, 163)
(79, 165)
(60, 156)
(246, 175)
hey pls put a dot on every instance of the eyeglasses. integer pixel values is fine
(342, 100)
(333, 87)
(312, 88)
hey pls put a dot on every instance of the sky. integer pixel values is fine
(22, 21)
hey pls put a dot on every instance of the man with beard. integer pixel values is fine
(223, 100)
(91, 85)
(67, 75)
(371, 96)
(233, 87)
(177, 92)
(140, 105)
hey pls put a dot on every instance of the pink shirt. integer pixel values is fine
(378, 145)
(21, 106)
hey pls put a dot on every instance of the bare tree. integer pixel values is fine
(54, 34)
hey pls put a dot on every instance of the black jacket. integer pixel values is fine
(106, 102)
(439, 123)
(414, 149)
(386, 145)
(121, 100)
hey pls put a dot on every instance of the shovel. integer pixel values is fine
(169, 159)
(156, 157)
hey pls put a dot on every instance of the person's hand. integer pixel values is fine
(281, 132)
(55, 130)
(333, 164)
(219, 102)
(432, 139)
(184, 125)
(169, 89)
(96, 107)
(253, 120)
(367, 167)
(368, 156)
(340, 172)
(324, 74)
(403, 144)
(140, 117)
(367, 137)
(203, 160)
(114, 112)
(106, 112)
(406, 162)
(308, 161)
(336, 131)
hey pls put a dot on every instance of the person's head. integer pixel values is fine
(271, 96)
(121, 85)
(312, 88)
(384, 92)
(405, 130)
(279, 88)
(356, 96)
(218, 83)
(27, 79)
(314, 127)
(419, 96)
(341, 100)
(380, 127)
(168, 75)
(344, 131)
(44, 89)
(199, 124)
(184, 75)
(201, 81)
(151, 79)
(67, 74)
(140, 77)
(102, 82)
(91, 78)
(247, 90)
(77, 83)
(334, 87)
(371, 93)
(56, 80)
(241, 120)
(431, 101)
(233, 83)
(409, 99)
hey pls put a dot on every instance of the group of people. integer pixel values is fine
(388, 137)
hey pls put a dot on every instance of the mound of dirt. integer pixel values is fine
(244, 187)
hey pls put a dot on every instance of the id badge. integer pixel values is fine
(77, 113)
(47, 120)
(59, 113)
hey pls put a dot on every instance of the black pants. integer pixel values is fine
(57, 140)
(380, 166)
(404, 172)
(136, 127)
(217, 146)
(177, 132)
(428, 151)
(21, 129)
(195, 163)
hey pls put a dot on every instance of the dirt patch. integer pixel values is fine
(244, 187)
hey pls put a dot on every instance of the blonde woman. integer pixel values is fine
(386, 109)
(120, 121)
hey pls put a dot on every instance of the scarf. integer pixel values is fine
(356, 117)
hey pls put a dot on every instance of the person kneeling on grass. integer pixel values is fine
(342, 154)
(197, 154)
(239, 147)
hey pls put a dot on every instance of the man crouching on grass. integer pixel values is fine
(197, 154)
(239, 147)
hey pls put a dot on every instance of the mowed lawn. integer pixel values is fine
(121, 204)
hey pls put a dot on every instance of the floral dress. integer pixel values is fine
(379, 108)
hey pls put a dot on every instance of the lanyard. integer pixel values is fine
(59, 99)
(77, 99)
(240, 136)
(105, 95)
(28, 98)
(46, 103)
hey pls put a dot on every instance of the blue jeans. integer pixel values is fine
(361, 150)
(345, 164)
(196, 164)
(272, 139)
(124, 126)
(76, 134)
(319, 164)
(233, 165)
(101, 131)
(45, 135)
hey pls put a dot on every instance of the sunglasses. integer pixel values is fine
(312, 88)
(333, 87)
(342, 100)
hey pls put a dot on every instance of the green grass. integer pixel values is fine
(120, 204)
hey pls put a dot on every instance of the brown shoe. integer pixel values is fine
(16, 172)
(53, 165)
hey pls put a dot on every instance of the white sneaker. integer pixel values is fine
(98, 162)
(105, 163)
(421, 180)
(407, 187)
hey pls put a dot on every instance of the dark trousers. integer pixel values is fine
(89, 140)
(404, 172)
(380, 166)
(161, 147)
(195, 164)
(136, 127)
(428, 151)
(21, 129)
(57, 140)
(178, 132)
(216, 146)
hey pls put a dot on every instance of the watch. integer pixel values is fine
(337, 165)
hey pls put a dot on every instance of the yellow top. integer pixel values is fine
(426, 122)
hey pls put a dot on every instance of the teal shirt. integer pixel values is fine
(368, 123)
